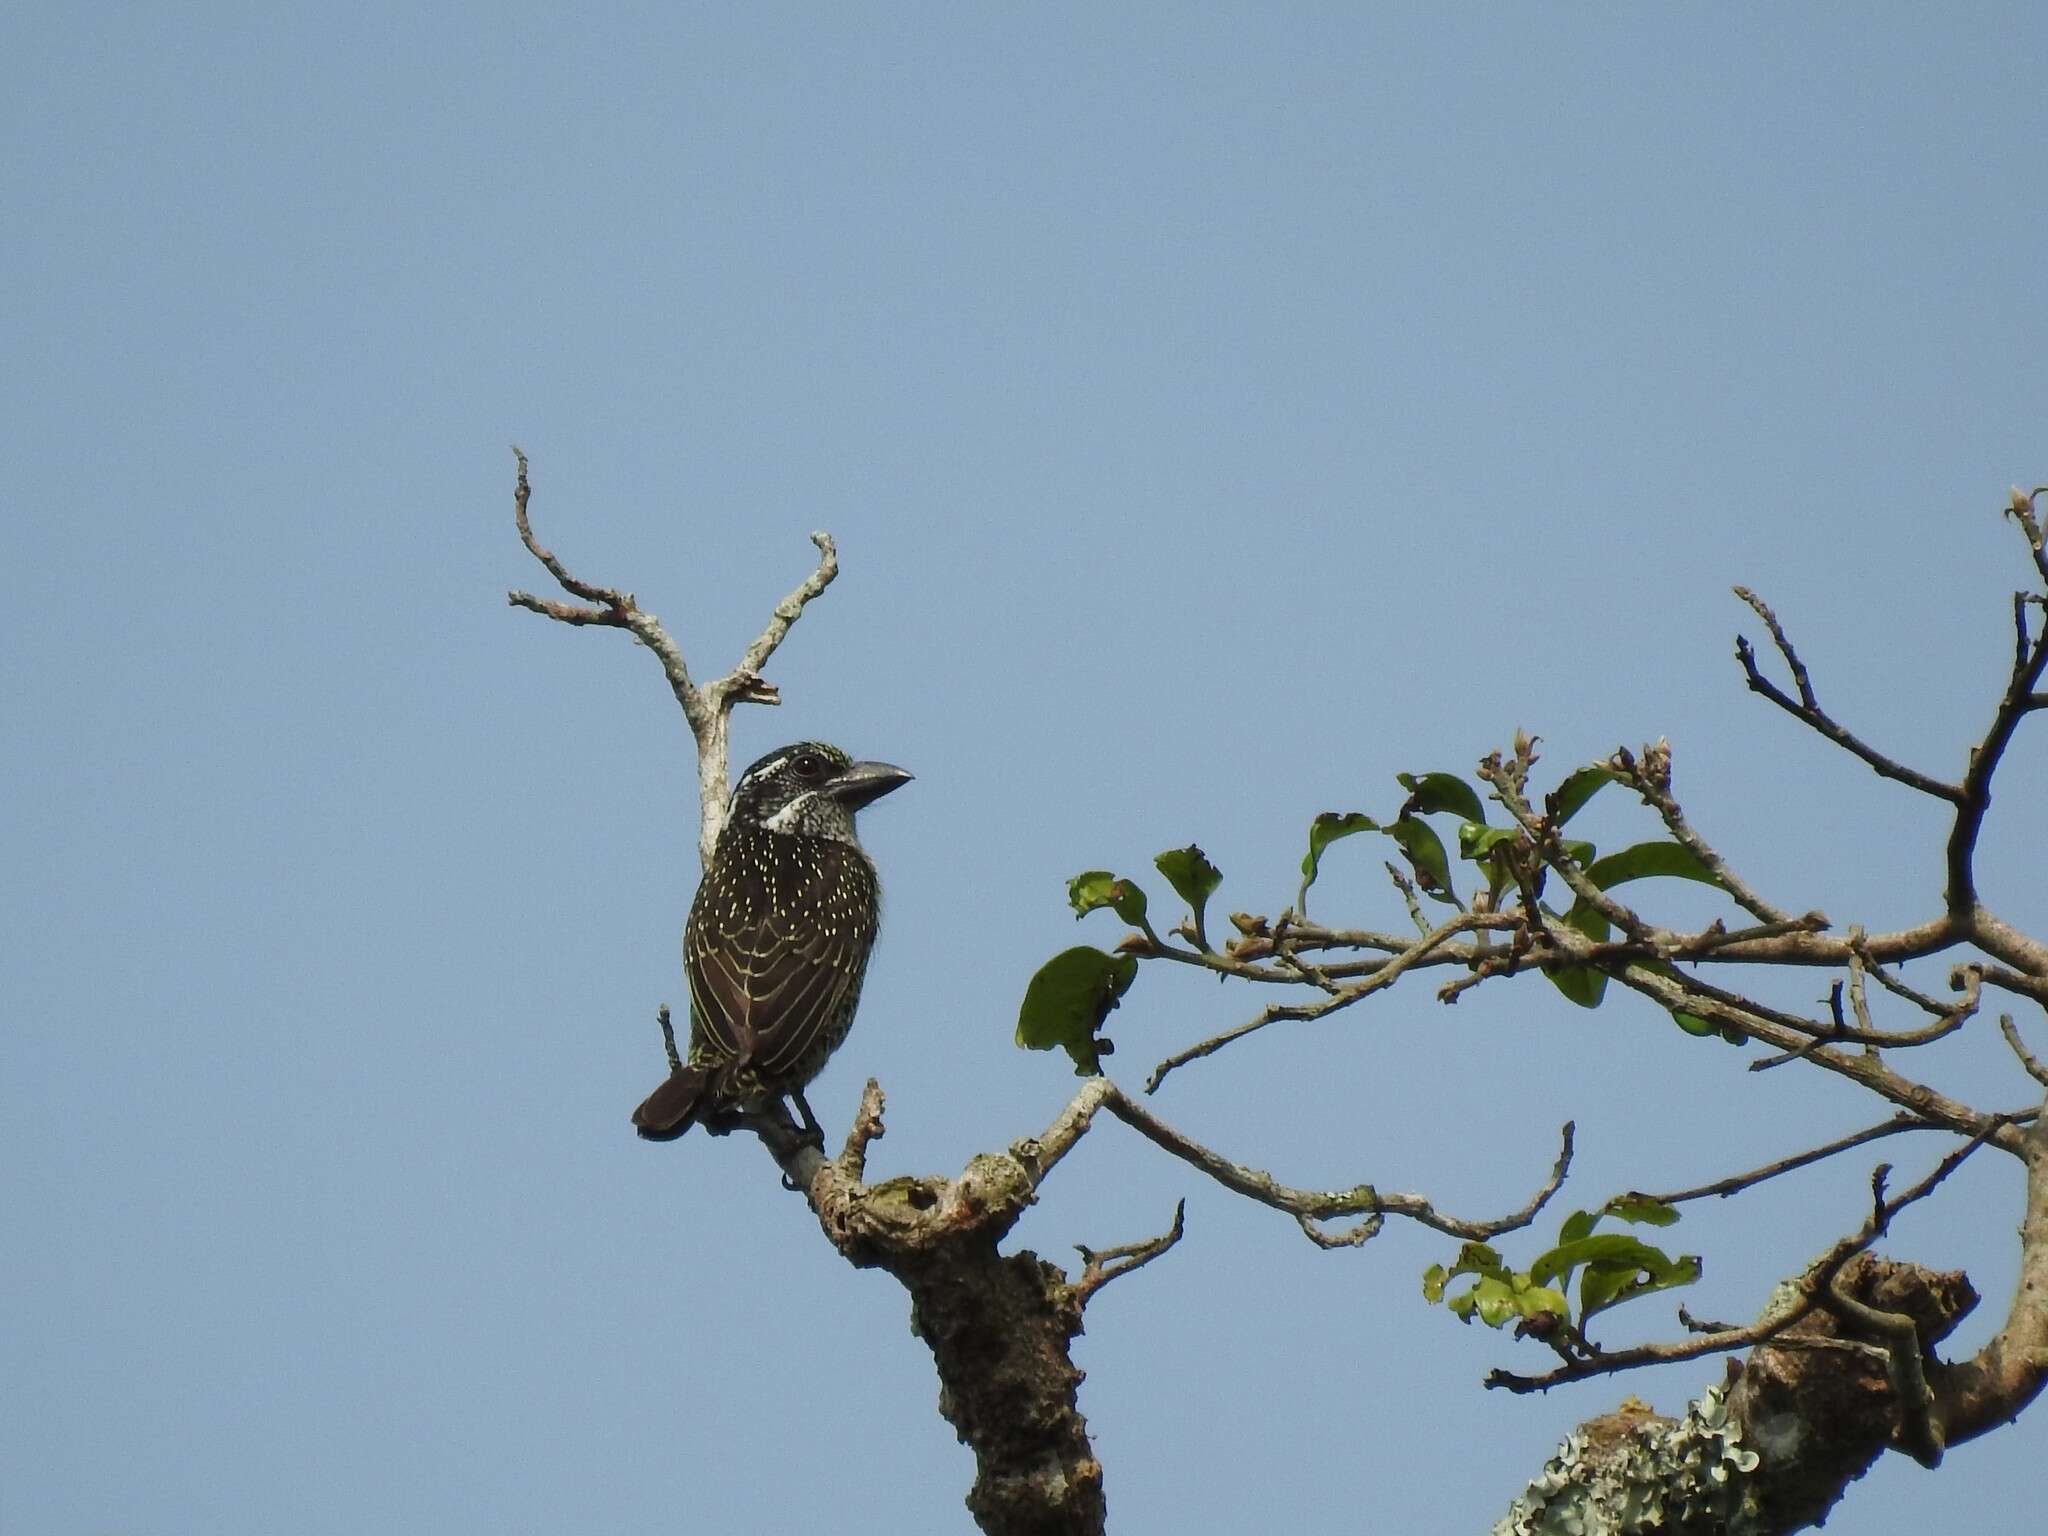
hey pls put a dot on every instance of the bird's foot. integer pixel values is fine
(812, 1131)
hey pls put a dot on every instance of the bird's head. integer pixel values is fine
(810, 790)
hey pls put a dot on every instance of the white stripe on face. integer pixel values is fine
(790, 817)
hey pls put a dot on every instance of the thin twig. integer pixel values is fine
(1040, 1154)
(1272, 1013)
(1101, 1267)
(1806, 708)
(2028, 1062)
(1675, 990)
(867, 1129)
(1736, 1183)
(1650, 777)
(2021, 510)
(1975, 796)
(1380, 975)
(791, 608)
(668, 1038)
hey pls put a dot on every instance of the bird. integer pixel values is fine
(777, 941)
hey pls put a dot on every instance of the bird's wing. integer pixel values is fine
(765, 989)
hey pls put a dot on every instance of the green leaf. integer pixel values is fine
(1531, 1299)
(1475, 841)
(1692, 1023)
(1582, 983)
(1607, 1285)
(1642, 1209)
(1495, 1300)
(1617, 1266)
(1099, 888)
(1429, 793)
(1193, 878)
(1645, 860)
(1067, 1001)
(1489, 848)
(1578, 787)
(1477, 1259)
(1576, 1226)
(1598, 1248)
(1425, 851)
(1323, 831)
(1496, 1295)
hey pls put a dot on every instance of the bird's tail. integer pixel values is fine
(673, 1107)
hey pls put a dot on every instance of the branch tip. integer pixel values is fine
(1112, 1263)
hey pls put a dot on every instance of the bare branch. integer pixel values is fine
(791, 608)
(1378, 976)
(1357, 1235)
(2002, 941)
(1650, 777)
(668, 1038)
(1099, 1268)
(1323, 1205)
(588, 591)
(1038, 1156)
(1407, 889)
(1990, 1388)
(707, 708)
(2021, 510)
(1272, 1013)
(1736, 1183)
(2028, 1063)
(866, 1130)
(1806, 708)
(2028, 663)
(1678, 991)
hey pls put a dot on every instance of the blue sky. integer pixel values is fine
(1219, 410)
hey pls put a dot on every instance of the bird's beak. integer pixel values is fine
(858, 784)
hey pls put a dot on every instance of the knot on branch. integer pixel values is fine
(1820, 1401)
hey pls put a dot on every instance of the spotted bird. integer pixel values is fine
(778, 937)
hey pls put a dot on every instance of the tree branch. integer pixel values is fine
(707, 708)
(1989, 1389)
(1324, 1205)
(2029, 660)
(1650, 777)
(1735, 1183)
(1806, 708)
(1099, 1268)
(1800, 1296)
(2032, 1067)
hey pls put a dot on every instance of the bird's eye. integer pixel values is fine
(809, 765)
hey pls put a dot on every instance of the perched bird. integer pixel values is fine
(778, 937)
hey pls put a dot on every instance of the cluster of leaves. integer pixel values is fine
(1503, 859)
(1068, 1000)
(1612, 1267)
(1074, 992)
